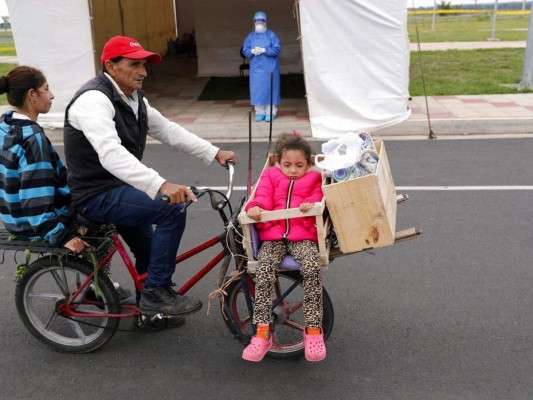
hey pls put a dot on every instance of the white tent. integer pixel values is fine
(55, 36)
(356, 61)
(355, 52)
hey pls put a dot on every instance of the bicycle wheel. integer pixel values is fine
(46, 286)
(288, 319)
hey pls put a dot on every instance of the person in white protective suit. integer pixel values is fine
(262, 47)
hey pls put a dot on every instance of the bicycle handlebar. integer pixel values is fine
(231, 170)
(199, 191)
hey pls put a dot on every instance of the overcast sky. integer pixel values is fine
(3, 8)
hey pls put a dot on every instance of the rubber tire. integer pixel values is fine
(40, 271)
(242, 329)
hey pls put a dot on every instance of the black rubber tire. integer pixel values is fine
(38, 294)
(288, 321)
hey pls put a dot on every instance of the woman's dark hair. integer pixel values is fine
(292, 141)
(18, 81)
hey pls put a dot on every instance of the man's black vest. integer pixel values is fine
(86, 176)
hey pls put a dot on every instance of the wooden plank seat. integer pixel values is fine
(9, 242)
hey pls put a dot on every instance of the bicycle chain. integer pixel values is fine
(148, 328)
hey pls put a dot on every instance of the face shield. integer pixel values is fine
(260, 25)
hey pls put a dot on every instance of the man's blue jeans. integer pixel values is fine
(134, 215)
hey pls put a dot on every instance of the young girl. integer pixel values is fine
(288, 184)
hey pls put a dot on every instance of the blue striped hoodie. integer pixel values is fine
(34, 195)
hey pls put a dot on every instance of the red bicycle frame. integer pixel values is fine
(68, 309)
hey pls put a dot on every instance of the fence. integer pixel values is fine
(468, 25)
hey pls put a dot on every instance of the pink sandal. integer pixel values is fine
(315, 349)
(257, 349)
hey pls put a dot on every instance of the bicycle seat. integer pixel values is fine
(288, 261)
(86, 222)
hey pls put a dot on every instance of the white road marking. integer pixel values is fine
(420, 188)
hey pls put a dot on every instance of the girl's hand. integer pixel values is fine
(76, 245)
(255, 213)
(304, 207)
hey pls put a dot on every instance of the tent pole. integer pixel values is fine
(431, 134)
(91, 17)
(249, 187)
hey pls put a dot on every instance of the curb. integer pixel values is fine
(410, 129)
(461, 126)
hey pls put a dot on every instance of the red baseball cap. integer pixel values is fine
(129, 48)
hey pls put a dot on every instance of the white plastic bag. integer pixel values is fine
(340, 153)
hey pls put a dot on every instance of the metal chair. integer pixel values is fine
(244, 65)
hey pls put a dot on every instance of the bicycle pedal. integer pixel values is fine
(157, 322)
(157, 316)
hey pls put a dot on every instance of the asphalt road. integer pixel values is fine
(444, 316)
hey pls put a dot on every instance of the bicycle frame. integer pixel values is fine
(68, 310)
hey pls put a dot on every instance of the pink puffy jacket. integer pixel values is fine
(275, 192)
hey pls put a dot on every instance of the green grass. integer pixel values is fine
(7, 44)
(4, 69)
(451, 72)
(467, 28)
(455, 72)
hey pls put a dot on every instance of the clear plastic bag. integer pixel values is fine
(340, 153)
(349, 157)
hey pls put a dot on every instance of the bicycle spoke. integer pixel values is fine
(291, 309)
(51, 320)
(57, 279)
(45, 296)
(246, 320)
(77, 329)
(293, 325)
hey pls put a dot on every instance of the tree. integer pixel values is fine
(443, 5)
(5, 18)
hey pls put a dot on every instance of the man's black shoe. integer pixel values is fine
(165, 300)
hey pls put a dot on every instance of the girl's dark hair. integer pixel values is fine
(292, 141)
(18, 82)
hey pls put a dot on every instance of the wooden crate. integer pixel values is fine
(363, 210)
(318, 211)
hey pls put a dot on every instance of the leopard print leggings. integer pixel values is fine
(270, 255)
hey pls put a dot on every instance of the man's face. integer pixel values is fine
(128, 74)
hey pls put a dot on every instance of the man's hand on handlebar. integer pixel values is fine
(177, 193)
(224, 156)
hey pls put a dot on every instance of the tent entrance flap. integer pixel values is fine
(356, 63)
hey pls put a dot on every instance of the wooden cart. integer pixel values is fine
(355, 215)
